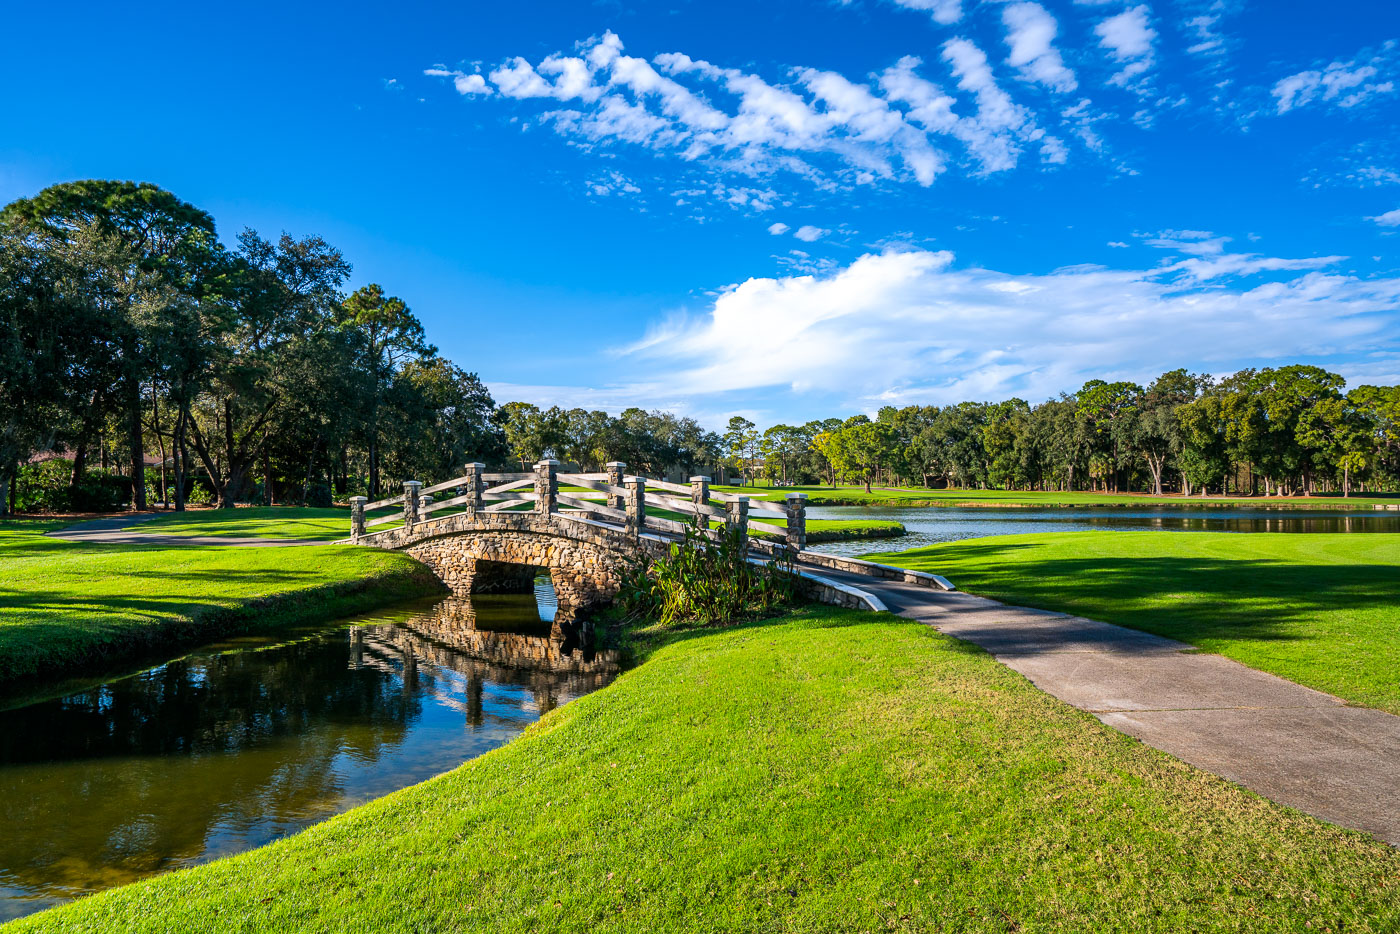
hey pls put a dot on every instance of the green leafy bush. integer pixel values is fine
(708, 581)
(46, 488)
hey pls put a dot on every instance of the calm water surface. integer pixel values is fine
(245, 741)
(930, 525)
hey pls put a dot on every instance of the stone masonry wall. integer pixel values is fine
(585, 567)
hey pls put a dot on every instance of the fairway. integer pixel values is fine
(67, 608)
(1317, 609)
(829, 771)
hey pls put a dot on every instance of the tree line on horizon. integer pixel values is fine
(1291, 430)
(143, 361)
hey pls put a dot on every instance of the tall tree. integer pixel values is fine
(157, 234)
(1156, 431)
(392, 337)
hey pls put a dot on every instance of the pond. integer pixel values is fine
(245, 741)
(930, 525)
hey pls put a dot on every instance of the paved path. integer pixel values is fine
(1295, 745)
(122, 530)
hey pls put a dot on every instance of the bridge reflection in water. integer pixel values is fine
(246, 741)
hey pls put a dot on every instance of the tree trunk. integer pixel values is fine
(138, 446)
(267, 476)
(310, 466)
(1346, 480)
(160, 444)
(373, 468)
(182, 459)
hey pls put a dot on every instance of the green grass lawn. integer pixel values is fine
(835, 771)
(1322, 610)
(856, 496)
(67, 608)
(280, 522)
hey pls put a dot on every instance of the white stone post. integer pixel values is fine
(546, 487)
(797, 521)
(739, 516)
(410, 502)
(616, 471)
(475, 487)
(636, 505)
(700, 496)
(425, 503)
(357, 517)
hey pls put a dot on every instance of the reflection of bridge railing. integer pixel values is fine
(612, 497)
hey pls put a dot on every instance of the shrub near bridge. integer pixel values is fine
(707, 581)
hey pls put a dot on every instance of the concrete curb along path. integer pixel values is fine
(120, 530)
(1297, 746)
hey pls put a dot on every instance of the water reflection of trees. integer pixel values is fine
(214, 754)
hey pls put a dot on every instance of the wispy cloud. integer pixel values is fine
(944, 12)
(1388, 219)
(1130, 41)
(820, 125)
(1340, 84)
(1030, 32)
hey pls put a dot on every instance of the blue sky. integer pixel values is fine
(785, 210)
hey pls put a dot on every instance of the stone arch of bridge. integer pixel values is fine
(501, 553)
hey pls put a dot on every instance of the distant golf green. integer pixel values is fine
(1321, 610)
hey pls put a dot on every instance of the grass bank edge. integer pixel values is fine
(39, 655)
(818, 770)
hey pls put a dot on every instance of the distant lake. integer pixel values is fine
(930, 525)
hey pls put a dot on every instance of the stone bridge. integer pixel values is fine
(494, 532)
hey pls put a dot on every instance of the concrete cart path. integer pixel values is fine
(122, 530)
(1287, 742)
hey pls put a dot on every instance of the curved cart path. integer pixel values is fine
(1287, 742)
(123, 530)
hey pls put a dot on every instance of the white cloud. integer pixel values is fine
(1128, 38)
(835, 132)
(612, 183)
(465, 82)
(944, 12)
(1342, 84)
(1388, 219)
(778, 228)
(1118, 244)
(1030, 32)
(909, 326)
(810, 234)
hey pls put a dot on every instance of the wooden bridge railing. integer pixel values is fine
(611, 497)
